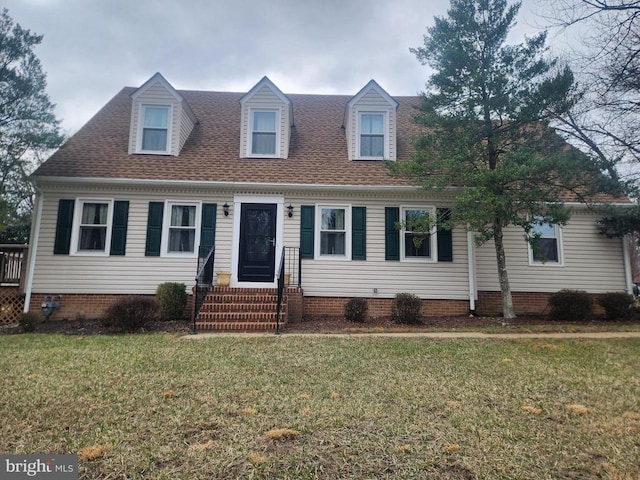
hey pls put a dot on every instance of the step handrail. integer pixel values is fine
(204, 279)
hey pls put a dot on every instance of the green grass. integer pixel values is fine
(162, 407)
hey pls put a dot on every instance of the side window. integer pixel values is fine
(155, 129)
(417, 244)
(333, 237)
(372, 144)
(91, 226)
(545, 246)
(263, 133)
(181, 230)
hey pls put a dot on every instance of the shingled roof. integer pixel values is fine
(317, 154)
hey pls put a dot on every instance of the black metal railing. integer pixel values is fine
(293, 266)
(281, 283)
(204, 279)
(289, 269)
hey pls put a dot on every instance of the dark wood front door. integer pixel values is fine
(257, 253)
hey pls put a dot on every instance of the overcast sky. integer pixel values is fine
(93, 48)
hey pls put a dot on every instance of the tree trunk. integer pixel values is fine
(503, 276)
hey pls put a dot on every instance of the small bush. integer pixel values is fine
(356, 310)
(406, 309)
(29, 321)
(131, 313)
(617, 305)
(570, 305)
(172, 300)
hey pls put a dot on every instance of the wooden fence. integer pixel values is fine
(13, 268)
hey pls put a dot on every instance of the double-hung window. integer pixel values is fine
(155, 129)
(181, 230)
(92, 226)
(263, 133)
(545, 244)
(333, 232)
(372, 135)
(418, 234)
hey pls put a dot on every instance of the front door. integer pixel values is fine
(257, 252)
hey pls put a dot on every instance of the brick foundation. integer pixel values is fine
(333, 307)
(524, 303)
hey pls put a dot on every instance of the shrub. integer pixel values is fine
(406, 308)
(172, 300)
(29, 321)
(131, 313)
(617, 305)
(570, 305)
(356, 310)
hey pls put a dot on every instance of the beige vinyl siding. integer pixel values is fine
(592, 262)
(348, 278)
(182, 121)
(267, 99)
(133, 273)
(371, 101)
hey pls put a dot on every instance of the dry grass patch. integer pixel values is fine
(577, 409)
(531, 409)
(632, 415)
(202, 447)
(87, 454)
(281, 434)
(257, 459)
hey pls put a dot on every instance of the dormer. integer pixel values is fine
(370, 124)
(265, 122)
(161, 119)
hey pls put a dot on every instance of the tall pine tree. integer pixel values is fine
(485, 116)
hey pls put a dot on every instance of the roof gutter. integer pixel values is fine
(42, 180)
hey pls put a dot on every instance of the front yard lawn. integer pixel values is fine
(159, 407)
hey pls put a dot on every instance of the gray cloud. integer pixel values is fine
(92, 48)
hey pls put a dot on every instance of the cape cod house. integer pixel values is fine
(275, 182)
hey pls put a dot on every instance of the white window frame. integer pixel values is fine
(318, 232)
(141, 116)
(77, 220)
(385, 134)
(433, 240)
(166, 225)
(250, 153)
(540, 263)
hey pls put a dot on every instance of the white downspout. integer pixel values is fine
(33, 248)
(627, 264)
(472, 270)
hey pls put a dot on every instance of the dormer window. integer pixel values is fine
(263, 133)
(155, 129)
(372, 144)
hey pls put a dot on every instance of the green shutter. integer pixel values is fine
(307, 221)
(208, 225)
(64, 225)
(445, 238)
(391, 233)
(119, 228)
(359, 233)
(154, 229)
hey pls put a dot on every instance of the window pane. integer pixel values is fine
(154, 140)
(182, 240)
(372, 145)
(264, 122)
(332, 243)
(371, 123)
(332, 219)
(183, 216)
(263, 144)
(545, 230)
(545, 250)
(156, 117)
(410, 249)
(92, 238)
(94, 213)
(412, 217)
